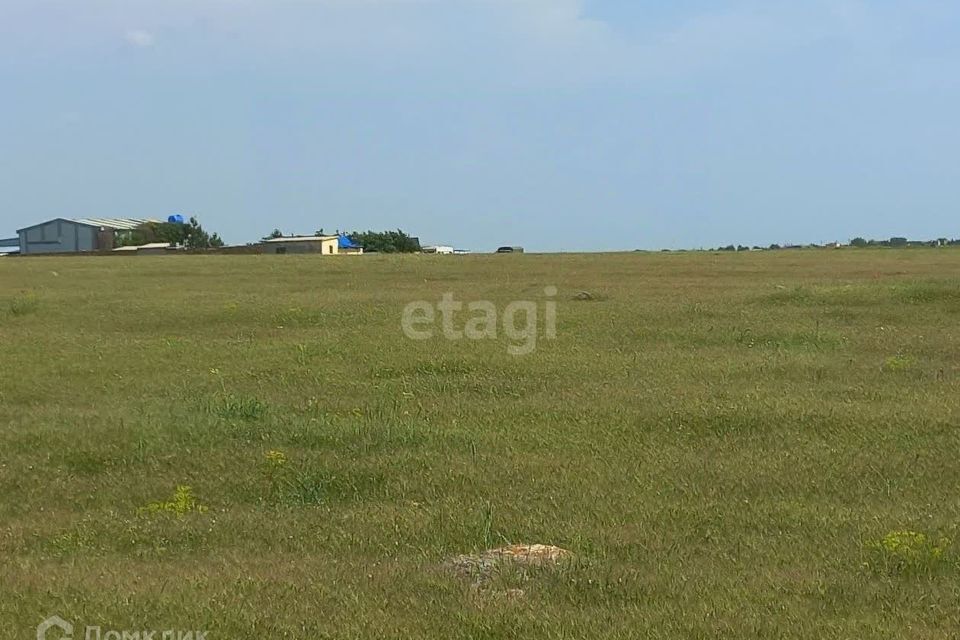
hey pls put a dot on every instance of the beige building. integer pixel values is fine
(326, 245)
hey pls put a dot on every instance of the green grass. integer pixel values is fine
(738, 445)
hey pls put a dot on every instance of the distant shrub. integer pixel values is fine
(901, 552)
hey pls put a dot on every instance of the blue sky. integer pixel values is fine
(553, 124)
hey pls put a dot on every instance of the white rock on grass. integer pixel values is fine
(522, 555)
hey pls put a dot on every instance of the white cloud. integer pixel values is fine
(139, 38)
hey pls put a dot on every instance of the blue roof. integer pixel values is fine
(346, 243)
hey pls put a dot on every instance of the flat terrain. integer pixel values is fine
(751, 445)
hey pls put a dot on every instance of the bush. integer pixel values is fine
(386, 241)
(901, 552)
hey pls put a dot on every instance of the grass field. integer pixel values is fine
(755, 445)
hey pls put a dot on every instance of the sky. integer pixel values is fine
(557, 125)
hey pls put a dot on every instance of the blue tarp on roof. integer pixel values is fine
(346, 243)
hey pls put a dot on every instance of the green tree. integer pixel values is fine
(190, 235)
(195, 237)
(132, 238)
(386, 241)
(152, 232)
(858, 242)
(276, 233)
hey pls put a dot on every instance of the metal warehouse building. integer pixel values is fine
(63, 235)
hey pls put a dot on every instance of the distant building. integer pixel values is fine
(442, 249)
(63, 235)
(348, 246)
(9, 245)
(149, 249)
(326, 245)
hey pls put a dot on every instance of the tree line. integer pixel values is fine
(192, 235)
(188, 234)
(858, 242)
(904, 242)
